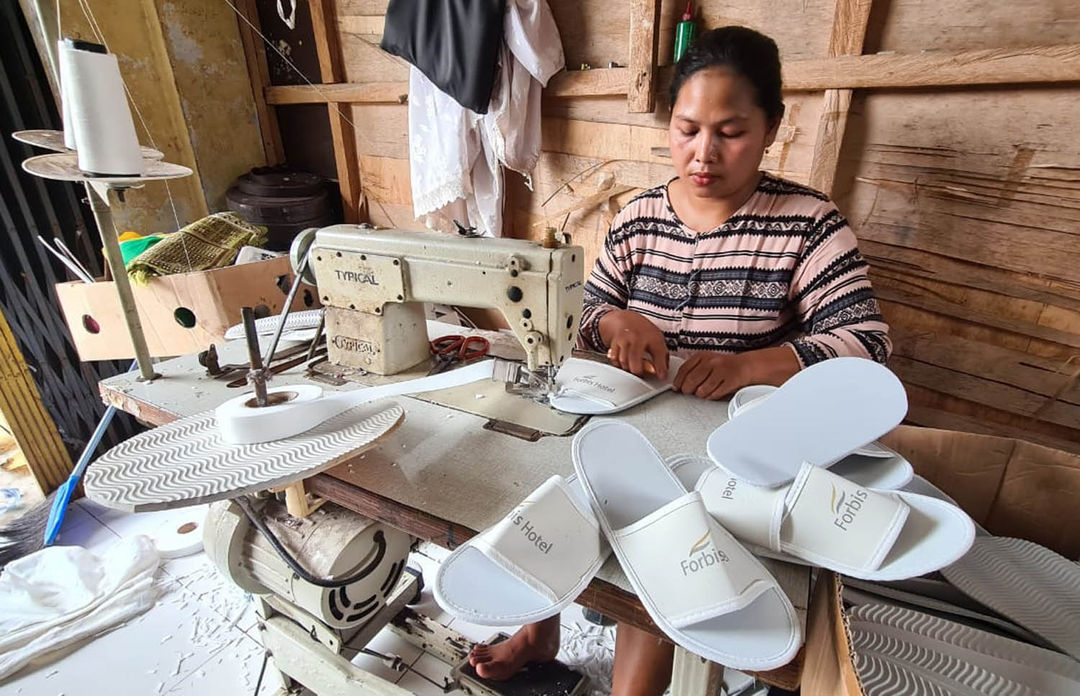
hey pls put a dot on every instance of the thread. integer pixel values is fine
(99, 117)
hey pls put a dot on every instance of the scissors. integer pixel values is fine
(451, 349)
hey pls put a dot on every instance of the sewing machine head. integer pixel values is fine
(374, 283)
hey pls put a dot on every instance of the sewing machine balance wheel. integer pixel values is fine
(299, 249)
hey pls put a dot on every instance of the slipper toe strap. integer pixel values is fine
(687, 566)
(838, 524)
(547, 541)
(751, 513)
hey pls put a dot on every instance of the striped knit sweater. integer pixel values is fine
(783, 270)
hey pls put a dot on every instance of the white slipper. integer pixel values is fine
(868, 472)
(530, 565)
(821, 414)
(919, 485)
(751, 396)
(824, 520)
(589, 387)
(702, 588)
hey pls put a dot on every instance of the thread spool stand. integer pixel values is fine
(104, 192)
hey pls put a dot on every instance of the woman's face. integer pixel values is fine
(718, 133)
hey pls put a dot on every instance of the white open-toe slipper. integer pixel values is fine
(868, 472)
(530, 565)
(824, 520)
(821, 414)
(589, 387)
(702, 588)
(873, 465)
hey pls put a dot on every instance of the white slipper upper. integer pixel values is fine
(828, 521)
(590, 387)
(528, 566)
(821, 414)
(701, 587)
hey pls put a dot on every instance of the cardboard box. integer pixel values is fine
(180, 314)
(1011, 487)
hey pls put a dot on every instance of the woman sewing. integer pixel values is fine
(747, 276)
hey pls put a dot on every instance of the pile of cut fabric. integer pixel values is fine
(473, 115)
(65, 594)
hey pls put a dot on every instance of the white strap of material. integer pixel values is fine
(752, 513)
(547, 542)
(304, 319)
(833, 522)
(240, 423)
(687, 565)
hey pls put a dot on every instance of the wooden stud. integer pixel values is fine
(848, 32)
(694, 675)
(644, 39)
(259, 72)
(327, 40)
(31, 425)
(297, 502)
(328, 48)
(971, 68)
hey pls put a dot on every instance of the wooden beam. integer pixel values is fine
(1021, 66)
(644, 38)
(848, 32)
(1032, 65)
(31, 425)
(259, 73)
(331, 67)
(345, 93)
(603, 82)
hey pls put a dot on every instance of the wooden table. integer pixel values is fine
(441, 476)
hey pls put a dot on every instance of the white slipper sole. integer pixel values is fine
(1024, 582)
(821, 414)
(702, 588)
(588, 387)
(753, 395)
(528, 567)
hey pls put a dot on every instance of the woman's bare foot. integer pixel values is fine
(538, 642)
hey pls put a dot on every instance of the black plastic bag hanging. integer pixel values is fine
(454, 43)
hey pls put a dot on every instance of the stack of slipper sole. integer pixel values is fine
(903, 651)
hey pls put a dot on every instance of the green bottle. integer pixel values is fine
(685, 31)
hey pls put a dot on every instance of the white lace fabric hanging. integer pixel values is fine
(456, 155)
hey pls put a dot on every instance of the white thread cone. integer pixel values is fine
(96, 112)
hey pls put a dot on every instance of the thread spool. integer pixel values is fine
(96, 111)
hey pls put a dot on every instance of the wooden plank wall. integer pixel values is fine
(945, 131)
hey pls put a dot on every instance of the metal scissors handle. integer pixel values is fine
(454, 348)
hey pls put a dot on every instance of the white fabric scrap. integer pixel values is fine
(63, 594)
(456, 155)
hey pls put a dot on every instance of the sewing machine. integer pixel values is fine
(373, 284)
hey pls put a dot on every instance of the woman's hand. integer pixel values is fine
(716, 375)
(629, 336)
(711, 375)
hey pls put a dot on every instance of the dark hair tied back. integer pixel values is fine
(746, 52)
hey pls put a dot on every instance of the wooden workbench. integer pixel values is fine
(441, 476)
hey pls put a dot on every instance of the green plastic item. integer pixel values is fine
(133, 247)
(685, 31)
